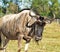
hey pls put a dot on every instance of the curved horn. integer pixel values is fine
(48, 20)
(32, 14)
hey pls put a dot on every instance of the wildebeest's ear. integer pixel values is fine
(41, 18)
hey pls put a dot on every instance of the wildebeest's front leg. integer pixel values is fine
(20, 37)
(27, 44)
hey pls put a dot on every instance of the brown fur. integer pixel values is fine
(15, 26)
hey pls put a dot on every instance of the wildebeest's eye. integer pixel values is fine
(41, 18)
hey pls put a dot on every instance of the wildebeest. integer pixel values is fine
(23, 25)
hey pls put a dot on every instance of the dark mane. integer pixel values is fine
(25, 9)
(34, 10)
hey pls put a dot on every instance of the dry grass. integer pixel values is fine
(49, 43)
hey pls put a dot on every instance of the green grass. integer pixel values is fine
(50, 41)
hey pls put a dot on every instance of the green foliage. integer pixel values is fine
(2, 11)
(41, 6)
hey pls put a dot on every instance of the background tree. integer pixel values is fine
(48, 8)
(12, 8)
(41, 6)
(54, 8)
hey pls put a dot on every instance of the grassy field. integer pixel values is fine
(50, 41)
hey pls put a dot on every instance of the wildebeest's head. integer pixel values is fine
(38, 24)
(38, 28)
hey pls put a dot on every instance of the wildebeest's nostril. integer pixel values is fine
(38, 38)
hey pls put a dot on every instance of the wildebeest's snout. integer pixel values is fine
(38, 38)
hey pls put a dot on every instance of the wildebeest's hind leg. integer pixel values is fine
(4, 42)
